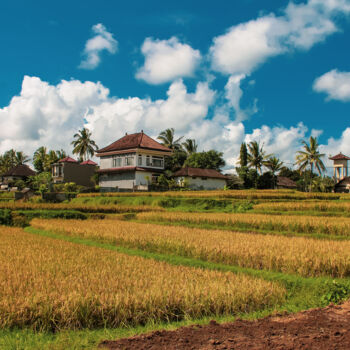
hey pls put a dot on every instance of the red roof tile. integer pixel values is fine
(20, 170)
(339, 156)
(67, 160)
(198, 172)
(138, 140)
(88, 162)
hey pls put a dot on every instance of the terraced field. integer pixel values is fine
(102, 267)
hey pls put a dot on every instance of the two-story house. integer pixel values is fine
(132, 162)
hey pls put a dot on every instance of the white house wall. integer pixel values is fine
(143, 178)
(123, 181)
(198, 182)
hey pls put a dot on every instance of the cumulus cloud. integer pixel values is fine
(247, 45)
(335, 84)
(167, 60)
(49, 115)
(102, 40)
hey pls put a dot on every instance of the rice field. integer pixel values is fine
(54, 285)
(298, 255)
(322, 206)
(253, 221)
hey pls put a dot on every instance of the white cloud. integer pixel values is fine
(247, 45)
(335, 84)
(49, 115)
(102, 40)
(234, 94)
(167, 60)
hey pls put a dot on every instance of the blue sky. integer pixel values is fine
(222, 72)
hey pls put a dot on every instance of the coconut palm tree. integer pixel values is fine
(310, 156)
(190, 146)
(256, 156)
(40, 159)
(61, 154)
(83, 144)
(274, 165)
(21, 158)
(168, 139)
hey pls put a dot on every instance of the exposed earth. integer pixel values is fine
(322, 329)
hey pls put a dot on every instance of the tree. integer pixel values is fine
(206, 160)
(243, 155)
(256, 156)
(274, 165)
(61, 154)
(167, 138)
(40, 160)
(310, 156)
(190, 146)
(83, 144)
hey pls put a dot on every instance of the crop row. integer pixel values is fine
(323, 206)
(86, 208)
(307, 257)
(49, 284)
(234, 194)
(252, 221)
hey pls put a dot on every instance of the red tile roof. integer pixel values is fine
(339, 156)
(88, 162)
(127, 169)
(198, 172)
(138, 140)
(20, 170)
(67, 160)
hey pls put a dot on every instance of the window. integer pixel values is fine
(155, 178)
(204, 178)
(129, 160)
(148, 161)
(117, 162)
(194, 177)
(157, 162)
(140, 160)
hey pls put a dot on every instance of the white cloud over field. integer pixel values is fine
(49, 115)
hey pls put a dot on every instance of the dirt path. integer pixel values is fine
(321, 329)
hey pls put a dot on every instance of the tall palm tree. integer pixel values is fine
(83, 144)
(310, 156)
(21, 158)
(256, 156)
(61, 154)
(40, 160)
(190, 146)
(274, 165)
(168, 139)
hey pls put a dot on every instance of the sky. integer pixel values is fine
(221, 72)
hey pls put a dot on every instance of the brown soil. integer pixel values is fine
(321, 329)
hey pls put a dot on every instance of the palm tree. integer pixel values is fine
(256, 156)
(167, 138)
(310, 156)
(21, 158)
(83, 144)
(40, 159)
(61, 154)
(274, 165)
(190, 146)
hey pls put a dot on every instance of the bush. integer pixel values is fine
(5, 217)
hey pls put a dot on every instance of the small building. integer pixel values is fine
(343, 186)
(131, 163)
(197, 178)
(19, 172)
(340, 166)
(285, 183)
(70, 170)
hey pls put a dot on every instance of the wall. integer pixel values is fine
(80, 174)
(198, 182)
(123, 181)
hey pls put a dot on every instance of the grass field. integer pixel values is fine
(161, 260)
